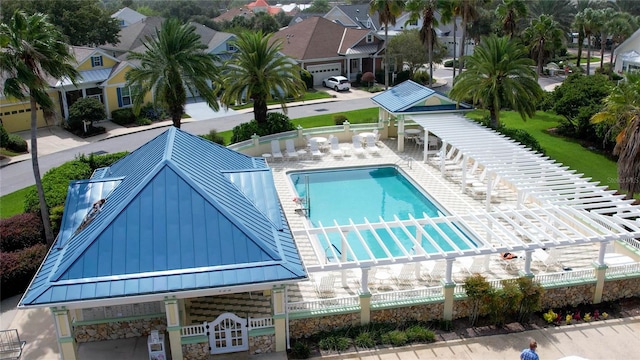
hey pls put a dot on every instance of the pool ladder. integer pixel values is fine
(406, 159)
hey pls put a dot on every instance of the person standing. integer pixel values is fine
(530, 353)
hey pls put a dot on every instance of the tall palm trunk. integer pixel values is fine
(430, 50)
(44, 210)
(455, 26)
(588, 54)
(580, 41)
(613, 48)
(463, 39)
(629, 160)
(260, 110)
(603, 43)
(540, 56)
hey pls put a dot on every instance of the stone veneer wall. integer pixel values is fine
(118, 329)
(197, 351)
(568, 296)
(299, 328)
(262, 344)
(423, 312)
(618, 289)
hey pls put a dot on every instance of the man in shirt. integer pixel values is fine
(530, 353)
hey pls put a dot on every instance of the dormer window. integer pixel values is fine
(369, 38)
(96, 61)
(231, 48)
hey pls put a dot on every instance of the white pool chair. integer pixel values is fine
(326, 286)
(408, 274)
(357, 145)
(371, 145)
(275, 150)
(335, 148)
(314, 149)
(475, 264)
(291, 152)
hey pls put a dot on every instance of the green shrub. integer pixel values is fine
(519, 135)
(55, 217)
(85, 109)
(213, 136)
(276, 123)
(335, 343)
(307, 78)
(421, 77)
(16, 144)
(402, 76)
(365, 340)
(300, 350)
(375, 89)
(153, 113)
(339, 119)
(141, 121)
(418, 333)
(18, 268)
(20, 232)
(100, 161)
(4, 137)
(449, 63)
(123, 116)
(395, 338)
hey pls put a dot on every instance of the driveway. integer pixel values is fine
(201, 111)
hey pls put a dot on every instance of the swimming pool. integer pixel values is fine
(370, 193)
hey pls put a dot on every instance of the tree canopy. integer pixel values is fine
(82, 22)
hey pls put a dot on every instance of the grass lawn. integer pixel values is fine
(563, 150)
(13, 204)
(308, 95)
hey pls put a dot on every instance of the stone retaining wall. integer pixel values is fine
(262, 344)
(619, 289)
(568, 296)
(299, 328)
(425, 312)
(118, 329)
(198, 351)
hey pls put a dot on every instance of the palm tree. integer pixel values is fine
(449, 11)
(604, 18)
(173, 62)
(509, 11)
(622, 112)
(621, 27)
(469, 12)
(563, 11)
(425, 9)
(543, 32)
(590, 25)
(499, 74)
(388, 12)
(258, 72)
(33, 50)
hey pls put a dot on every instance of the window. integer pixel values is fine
(231, 48)
(369, 38)
(413, 23)
(96, 61)
(124, 96)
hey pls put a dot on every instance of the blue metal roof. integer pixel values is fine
(181, 213)
(410, 97)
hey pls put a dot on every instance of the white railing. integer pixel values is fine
(407, 295)
(194, 330)
(324, 304)
(624, 269)
(260, 323)
(586, 274)
(459, 289)
(632, 243)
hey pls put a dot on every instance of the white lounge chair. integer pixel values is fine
(357, 145)
(371, 145)
(549, 258)
(335, 148)
(315, 150)
(291, 152)
(475, 264)
(275, 150)
(408, 274)
(326, 286)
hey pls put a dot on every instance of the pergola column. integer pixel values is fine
(365, 308)
(448, 287)
(172, 310)
(280, 317)
(401, 133)
(601, 272)
(66, 340)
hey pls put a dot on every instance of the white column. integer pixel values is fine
(364, 280)
(173, 327)
(66, 341)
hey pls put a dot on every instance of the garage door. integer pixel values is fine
(321, 72)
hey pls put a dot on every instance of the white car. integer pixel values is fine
(337, 83)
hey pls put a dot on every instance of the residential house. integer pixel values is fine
(102, 74)
(627, 54)
(249, 10)
(325, 48)
(127, 16)
(142, 237)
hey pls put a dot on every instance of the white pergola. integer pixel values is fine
(556, 207)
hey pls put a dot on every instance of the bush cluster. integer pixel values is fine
(339, 119)
(307, 78)
(85, 109)
(4, 137)
(213, 136)
(421, 77)
(276, 123)
(18, 268)
(20, 231)
(519, 135)
(15, 143)
(123, 116)
(152, 112)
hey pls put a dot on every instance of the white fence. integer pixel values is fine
(324, 304)
(565, 276)
(434, 292)
(616, 271)
(201, 329)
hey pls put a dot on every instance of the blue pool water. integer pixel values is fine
(371, 193)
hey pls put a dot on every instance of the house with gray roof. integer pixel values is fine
(178, 219)
(128, 16)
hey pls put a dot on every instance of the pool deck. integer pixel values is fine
(445, 191)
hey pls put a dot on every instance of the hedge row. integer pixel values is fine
(18, 268)
(20, 231)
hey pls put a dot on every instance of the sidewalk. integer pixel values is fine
(52, 139)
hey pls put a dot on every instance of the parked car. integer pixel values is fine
(337, 83)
